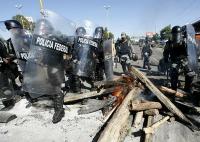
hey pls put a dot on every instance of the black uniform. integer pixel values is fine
(8, 66)
(146, 53)
(83, 60)
(175, 54)
(99, 72)
(125, 53)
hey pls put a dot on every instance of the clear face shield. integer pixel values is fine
(176, 37)
(98, 35)
(4, 32)
(88, 26)
(43, 28)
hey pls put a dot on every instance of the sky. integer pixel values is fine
(135, 17)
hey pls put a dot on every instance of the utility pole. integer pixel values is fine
(19, 7)
(42, 11)
(107, 8)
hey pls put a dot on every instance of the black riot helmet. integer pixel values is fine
(10, 24)
(184, 31)
(98, 33)
(147, 40)
(80, 31)
(43, 27)
(123, 36)
(176, 34)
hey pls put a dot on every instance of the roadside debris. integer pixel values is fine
(6, 117)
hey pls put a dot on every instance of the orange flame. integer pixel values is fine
(118, 93)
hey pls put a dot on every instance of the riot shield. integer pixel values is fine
(6, 88)
(5, 34)
(21, 40)
(84, 50)
(108, 61)
(191, 48)
(44, 71)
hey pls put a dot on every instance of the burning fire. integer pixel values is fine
(118, 92)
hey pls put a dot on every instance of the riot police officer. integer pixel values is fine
(8, 68)
(98, 37)
(175, 54)
(74, 80)
(44, 71)
(146, 53)
(84, 55)
(125, 52)
(9, 55)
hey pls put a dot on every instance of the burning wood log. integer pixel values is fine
(169, 91)
(138, 119)
(93, 105)
(151, 129)
(146, 106)
(77, 97)
(148, 137)
(113, 130)
(160, 95)
(151, 112)
(115, 81)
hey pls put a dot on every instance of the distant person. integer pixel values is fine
(146, 53)
(124, 51)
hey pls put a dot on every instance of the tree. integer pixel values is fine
(111, 35)
(107, 34)
(156, 37)
(25, 23)
(165, 33)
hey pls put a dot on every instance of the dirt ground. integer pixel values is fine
(35, 124)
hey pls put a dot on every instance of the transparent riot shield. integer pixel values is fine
(4, 33)
(84, 50)
(108, 59)
(21, 40)
(191, 48)
(44, 71)
(6, 88)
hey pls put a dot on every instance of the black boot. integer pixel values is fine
(58, 107)
(99, 73)
(74, 83)
(188, 84)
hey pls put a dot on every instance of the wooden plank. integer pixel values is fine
(152, 128)
(116, 125)
(151, 112)
(138, 119)
(169, 91)
(77, 97)
(135, 72)
(145, 106)
(149, 137)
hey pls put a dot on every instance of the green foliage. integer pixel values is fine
(25, 23)
(107, 34)
(165, 33)
(156, 37)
